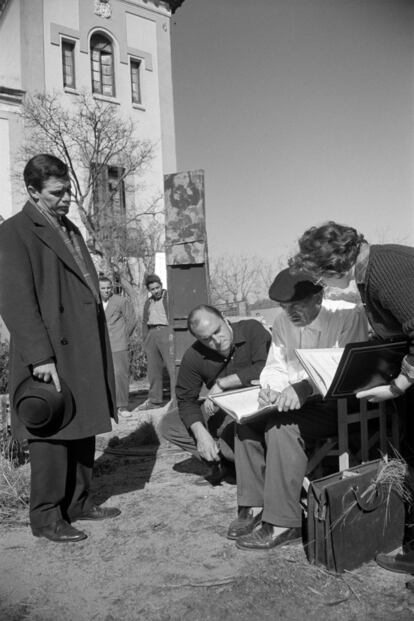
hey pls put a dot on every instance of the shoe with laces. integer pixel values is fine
(263, 538)
(245, 523)
(148, 405)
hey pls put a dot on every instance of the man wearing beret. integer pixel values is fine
(49, 300)
(270, 455)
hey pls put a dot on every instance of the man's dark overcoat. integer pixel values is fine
(51, 312)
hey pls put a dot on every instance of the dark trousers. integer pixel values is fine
(271, 459)
(220, 425)
(157, 349)
(61, 474)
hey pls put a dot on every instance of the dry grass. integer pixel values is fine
(393, 476)
(14, 485)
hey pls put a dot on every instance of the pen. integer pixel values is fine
(268, 393)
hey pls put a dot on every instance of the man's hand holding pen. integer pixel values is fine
(267, 396)
(291, 398)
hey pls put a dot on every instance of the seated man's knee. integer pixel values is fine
(169, 425)
(278, 430)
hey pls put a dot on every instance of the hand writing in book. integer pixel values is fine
(267, 396)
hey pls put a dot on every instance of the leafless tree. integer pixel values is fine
(90, 137)
(241, 278)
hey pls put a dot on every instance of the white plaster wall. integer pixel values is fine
(57, 12)
(62, 12)
(5, 183)
(142, 35)
(10, 59)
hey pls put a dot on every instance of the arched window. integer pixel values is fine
(102, 65)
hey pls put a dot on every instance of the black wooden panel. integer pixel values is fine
(187, 286)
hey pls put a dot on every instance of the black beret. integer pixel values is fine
(288, 287)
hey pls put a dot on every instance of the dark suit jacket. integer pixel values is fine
(51, 312)
(121, 321)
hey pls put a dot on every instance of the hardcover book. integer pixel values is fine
(342, 372)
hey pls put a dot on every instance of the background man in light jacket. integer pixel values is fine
(121, 321)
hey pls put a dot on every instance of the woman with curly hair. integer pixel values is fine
(336, 254)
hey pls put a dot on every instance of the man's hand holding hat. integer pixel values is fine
(46, 372)
(41, 408)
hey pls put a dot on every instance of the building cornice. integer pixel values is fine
(11, 95)
(172, 4)
(175, 4)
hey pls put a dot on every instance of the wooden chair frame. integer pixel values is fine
(339, 445)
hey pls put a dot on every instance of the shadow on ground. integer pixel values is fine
(126, 463)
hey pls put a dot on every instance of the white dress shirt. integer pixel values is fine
(333, 327)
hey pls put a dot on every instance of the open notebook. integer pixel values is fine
(241, 404)
(342, 372)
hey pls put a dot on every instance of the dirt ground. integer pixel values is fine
(166, 558)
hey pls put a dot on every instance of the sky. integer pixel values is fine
(299, 111)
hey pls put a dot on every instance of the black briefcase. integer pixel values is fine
(352, 517)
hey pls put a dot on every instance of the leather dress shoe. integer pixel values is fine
(263, 538)
(98, 513)
(60, 531)
(244, 523)
(400, 563)
(217, 473)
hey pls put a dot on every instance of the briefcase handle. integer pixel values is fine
(375, 500)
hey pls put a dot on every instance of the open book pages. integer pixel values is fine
(242, 405)
(320, 365)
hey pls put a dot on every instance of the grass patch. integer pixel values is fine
(14, 489)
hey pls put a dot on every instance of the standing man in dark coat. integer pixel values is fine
(49, 300)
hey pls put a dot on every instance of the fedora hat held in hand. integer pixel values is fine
(41, 408)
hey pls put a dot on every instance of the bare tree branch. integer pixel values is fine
(241, 278)
(90, 137)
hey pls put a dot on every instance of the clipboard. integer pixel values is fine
(361, 366)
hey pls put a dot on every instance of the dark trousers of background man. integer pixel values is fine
(157, 349)
(271, 459)
(61, 475)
